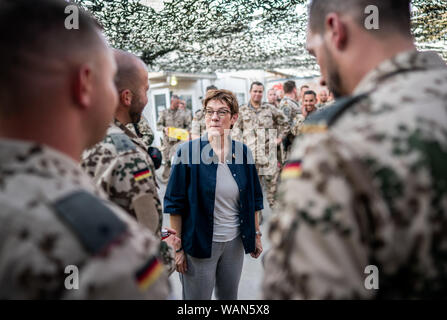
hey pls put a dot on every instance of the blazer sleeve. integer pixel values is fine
(176, 197)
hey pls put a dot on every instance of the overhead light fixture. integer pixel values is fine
(173, 81)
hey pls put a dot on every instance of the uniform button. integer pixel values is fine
(234, 174)
(243, 237)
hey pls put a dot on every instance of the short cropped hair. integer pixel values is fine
(256, 83)
(289, 86)
(310, 92)
(394, 14)
(211, 87)
(304, 86)
(224, 96)
(32, 32)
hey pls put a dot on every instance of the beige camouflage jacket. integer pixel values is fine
(54, 244)
(259, 129)
(290, 108)
(145, 132)
(363, 206)
(121, 166)
(198, 126)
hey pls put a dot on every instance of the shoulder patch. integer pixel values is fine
(95, 225)
(291, 170)
(322, 119)
(122, 142)
(148, 273)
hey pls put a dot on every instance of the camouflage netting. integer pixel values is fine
(222, 35)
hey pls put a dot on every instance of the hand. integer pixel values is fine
(258, 248)
(173, 241)
(166, 131)
(180, 261)
(171, 231)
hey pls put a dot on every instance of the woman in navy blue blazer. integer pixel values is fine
(213, 196)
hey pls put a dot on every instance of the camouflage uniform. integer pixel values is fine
(371, 190)
(290, 108)
(297, 124)
(198, 126)
(250, 128)
(122, 167)
(52, 217)
(143, 131)
(322, 106)
(170, 118)
(187, 116)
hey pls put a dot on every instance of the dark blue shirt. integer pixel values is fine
(191, 193)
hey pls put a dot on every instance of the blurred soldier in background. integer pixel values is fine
(170, 118)
(323, 97)
(363, 203)
(186, 113)
(308, 105)
(289, 104)
(271, 97)
(120, 164)
(256, 123)
(198, 122)
(57, 97)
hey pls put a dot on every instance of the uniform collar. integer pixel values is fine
(135, 139)
(400, 63)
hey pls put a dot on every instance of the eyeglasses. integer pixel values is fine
(221, 113)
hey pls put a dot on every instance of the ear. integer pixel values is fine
(234, 118)
(126, 97)
(83, 87)
(335, 31)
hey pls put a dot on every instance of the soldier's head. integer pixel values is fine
(256, 92)
(271, 96)
(132, 84)
(290, 89)
(309, 101)
(175, 100)
(323, 95)
(211, 87)
(182, 104)
(303, 89)
(56, 82)
(365, 31)
(221, 111)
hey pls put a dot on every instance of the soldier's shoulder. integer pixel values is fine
(324, 118)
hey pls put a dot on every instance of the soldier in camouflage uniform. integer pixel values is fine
(323, 101)
(172, 117)
(289, 104)
(186, 114)
(363, 203)
(198, 126)
(261, 126)
(60, 236)
(143, 130)
(120, 163)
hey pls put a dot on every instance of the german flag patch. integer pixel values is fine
(142, 174)
(149, 273)
(291, 170)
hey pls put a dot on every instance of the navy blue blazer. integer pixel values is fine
(191, 193)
